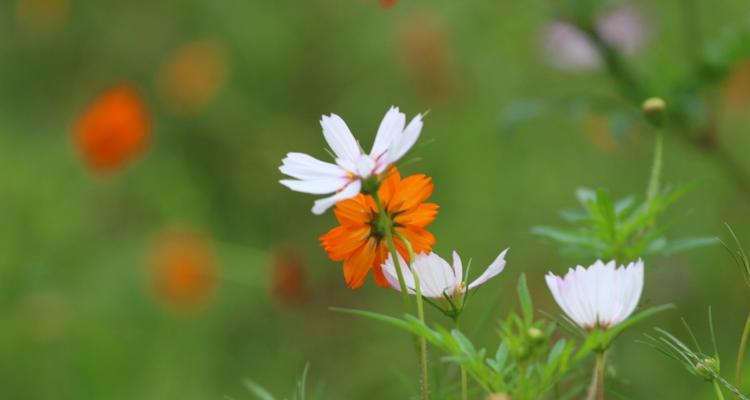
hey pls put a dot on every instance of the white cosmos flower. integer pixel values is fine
(601, 295)
(567, 47)
(344, 178)
(437, 278)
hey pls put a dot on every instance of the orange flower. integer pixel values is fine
(114, 129)
(194, 75)
(357, 241)
(184, 270)
(387, 3)
(288, 277)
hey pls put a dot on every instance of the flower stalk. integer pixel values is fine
(421, 341)
(741, 353)
(596, 390)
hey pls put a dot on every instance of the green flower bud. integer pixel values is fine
(654, 109)
(707, 368)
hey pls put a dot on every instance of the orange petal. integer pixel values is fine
(420, 216)
(358, 265)
(420, 239)
(377, 271)
(354, 211)
(389, 186)
(411, 191)
(340, 242)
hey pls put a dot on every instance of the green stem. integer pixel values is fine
(383, 216)
(422, 342)
(464, 378)
(741, 354)
(653, 182)
(717, 389)
(596, 390)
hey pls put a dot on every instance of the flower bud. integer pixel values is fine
(653, 109)
(498, 396)
(707, 368)
(535, 334)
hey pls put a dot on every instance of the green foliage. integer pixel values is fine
(300, 392)
(694, 360)
(739, 255)
(620, 230)
(526, 364)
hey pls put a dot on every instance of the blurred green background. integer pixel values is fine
(80, 317)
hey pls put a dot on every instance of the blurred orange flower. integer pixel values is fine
(288, 277)
(426, 55)
(737, 86)
(193, 75)
(184, 269)
(42, 16)
(114, 129)
(388, 3)
(357, 242)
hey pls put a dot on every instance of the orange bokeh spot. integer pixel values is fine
(388, 3)
(42, 16)
(737, 86)
(193, 75)
(288, 277)
(184, 270)
(114, 129)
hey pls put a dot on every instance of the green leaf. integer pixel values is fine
(258, 391)
(527, 307)
(680, 245)
(647, 313)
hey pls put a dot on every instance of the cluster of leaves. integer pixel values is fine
(527, 363)
(622, 230)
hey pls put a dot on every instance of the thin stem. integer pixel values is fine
(596, 390)
(741, 354)
(717, 389)
(422, 342)
(394, 254)
(464, 378)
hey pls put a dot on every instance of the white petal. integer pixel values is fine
(365, 166)
(389, 270)
(495, 268)
(339, 137)
(458, 267)
(402, 143)
(315, 186)
(303, 166)
(348, 192)
(391, 126)
(436, 276)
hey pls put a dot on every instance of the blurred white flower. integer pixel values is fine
(600, 296)
(566, 47)
(344, 178)
(437, 278)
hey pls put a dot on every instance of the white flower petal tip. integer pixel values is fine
(313, 176)
(600, 296)
(437, 278)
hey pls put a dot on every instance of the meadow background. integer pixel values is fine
(230, 87)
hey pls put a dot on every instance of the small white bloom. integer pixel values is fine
(437, 278)
(344, 178)
(566, 47)
(599, 296)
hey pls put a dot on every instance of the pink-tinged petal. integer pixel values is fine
(302, 166)
(402, 143)
(351, 190)
(493, 270)
(339, 137)
(391, 126)
(315, 186)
